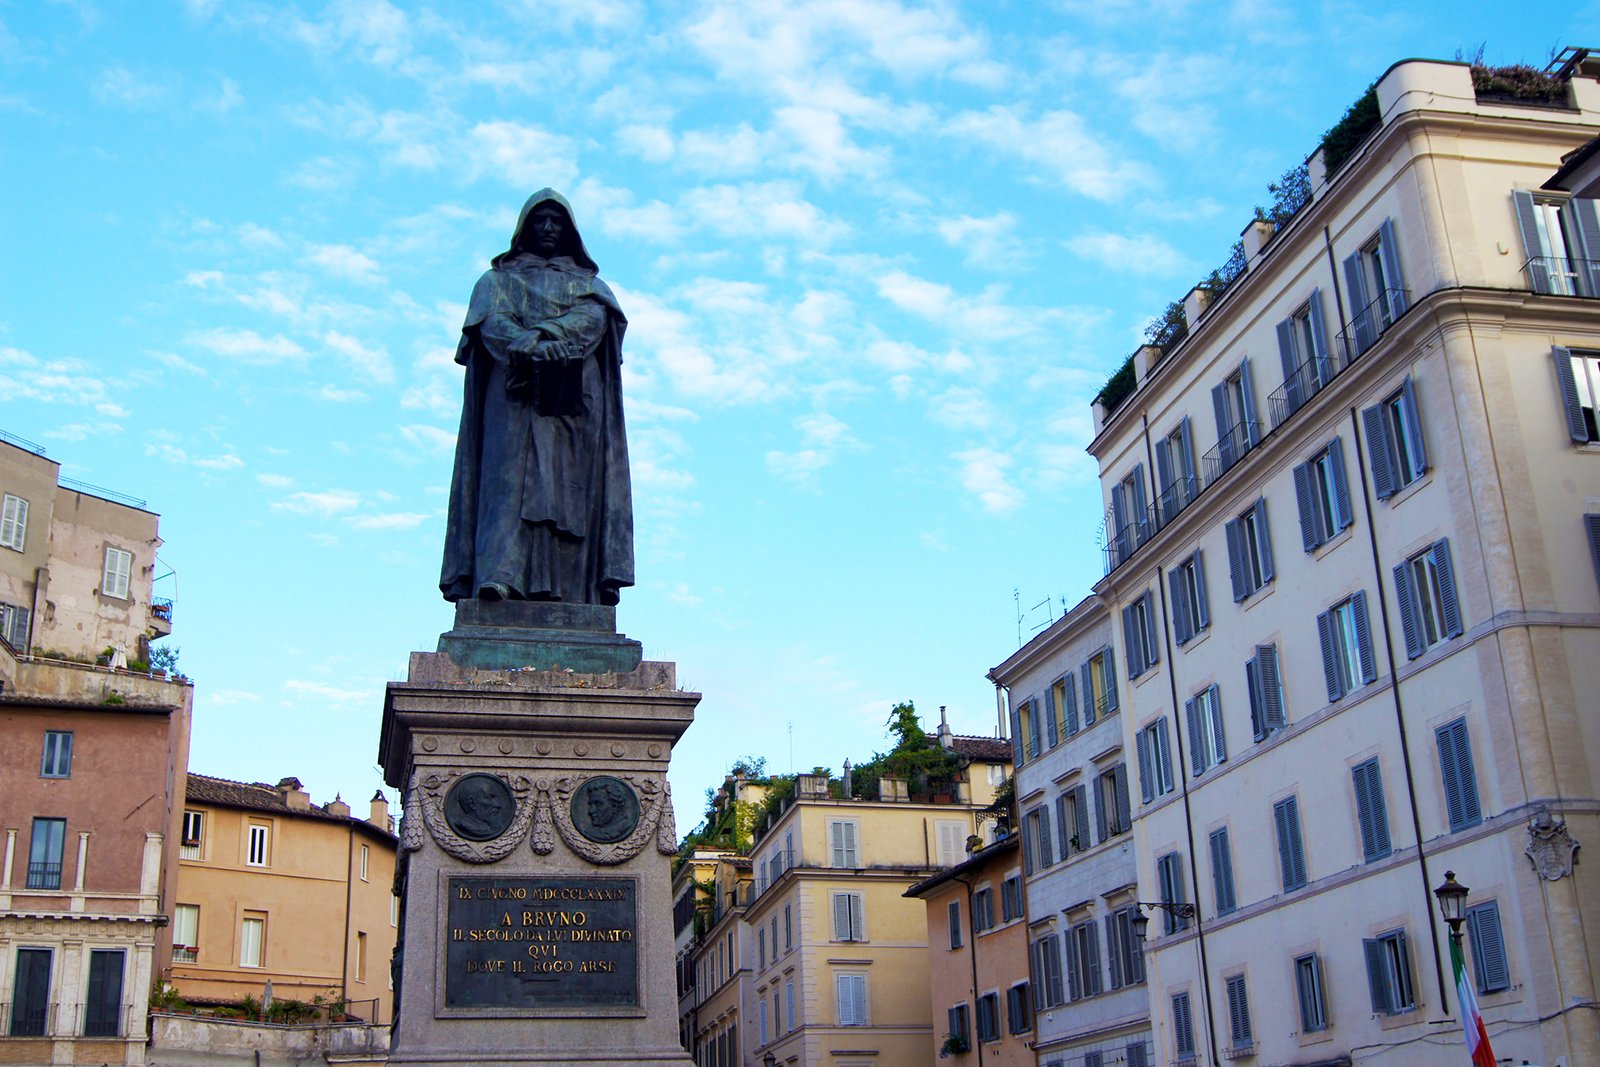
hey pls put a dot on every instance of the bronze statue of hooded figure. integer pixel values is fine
(541, 505)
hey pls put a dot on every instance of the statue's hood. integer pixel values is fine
(580, 254)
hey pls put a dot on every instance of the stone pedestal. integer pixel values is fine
(535, 862)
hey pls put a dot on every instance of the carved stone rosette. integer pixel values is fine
(431, 789)
(554, 813)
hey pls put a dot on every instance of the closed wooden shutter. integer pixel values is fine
(1566, 386)
(1488, 948)
(1449, 603)
(1310, 514)
(1371, 811)
(1538, 269)
(1377, 431)
(1410, 619)
(1459, 776)
(1393, 276)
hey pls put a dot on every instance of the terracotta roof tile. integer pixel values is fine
(988, 749)
(259, 796)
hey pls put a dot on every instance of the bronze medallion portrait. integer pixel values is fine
(605, 809)
(479, 807)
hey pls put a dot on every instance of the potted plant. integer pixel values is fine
(954, 1045)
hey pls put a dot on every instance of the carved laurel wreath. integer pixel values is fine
(546, 805)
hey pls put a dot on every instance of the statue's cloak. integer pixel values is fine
(541, 498)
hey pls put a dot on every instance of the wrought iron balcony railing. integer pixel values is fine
(1563, 276)
(1230, 449)
(44, 876)
(1370, 323)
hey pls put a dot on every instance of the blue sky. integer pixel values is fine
(877, 257)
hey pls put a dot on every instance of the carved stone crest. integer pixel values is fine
(461, 822)
(587, 809)
(1551, 849)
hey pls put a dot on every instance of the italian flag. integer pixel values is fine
(1471, 1020)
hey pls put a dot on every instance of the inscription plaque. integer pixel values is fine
(541, 943)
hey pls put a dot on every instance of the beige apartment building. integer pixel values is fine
(978, 960)
(1352, 574)
(272, 888)
(91, 772)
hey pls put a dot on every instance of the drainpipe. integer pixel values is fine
(1400, 718)
(349, 892)
(972, 957)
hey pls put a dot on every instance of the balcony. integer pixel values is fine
(161, 616)
(44, 875)
(1563, 276)
(1177, 496)
(1230, 449)
(185, 953)
(772, 870)
(1124, 540)
(1370, 323)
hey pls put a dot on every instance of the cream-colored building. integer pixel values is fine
(272, 888)
(1352, 572)
(92, 759)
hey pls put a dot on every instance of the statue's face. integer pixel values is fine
(602, 808)
(547, 226)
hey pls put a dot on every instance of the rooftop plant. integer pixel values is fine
(1351, 131)
(1118, 387)
(1517, 82)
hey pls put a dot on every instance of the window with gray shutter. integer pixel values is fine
(1389, 973)
(955, 1020)
(1222, 871)
(1019, 1014)
(1371, 812)
(1430, 612)
(955, 926)
(1394, 441)
(1266, 691)
(1169, 876)
(1239, 1012)
(1190, 612)
(1458, 775)
(1291, 849)
(1308, 986)
(13, 522)
(1489, 968)
(1067, 684)
(1578, 384)
(1591, 529)
(1182, 1026)
(1051, 734)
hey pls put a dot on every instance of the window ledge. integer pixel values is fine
(1406, 492)
(1319, 551)
(1198, 638)
(1257, 596)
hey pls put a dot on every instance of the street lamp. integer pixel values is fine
(1452, 897)
(1141, 921)
(769, 1060)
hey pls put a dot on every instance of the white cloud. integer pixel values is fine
(335, 395)
(132, 90)
(345, 262)
(372, 364)
(983, 474)
(399, 520)
(963, 408)
(651, 143)
(762, 209)
(247, 346)
(985, 241)
(275, 481)
(431, 437)
(1143, 254)
(226, 462)
(331, 502)
(223, 698)
(524, 156)
(1059, 144)
(333, 694)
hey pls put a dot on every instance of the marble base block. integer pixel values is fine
(535, 859)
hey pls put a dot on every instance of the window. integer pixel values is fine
(1037, 847)
(1095, 1058)
(1176, 484)
(1370, 810)
(761, 1021)
(788, 929)
(1249, 551)
(1099, 686)
(1266, 691)
(1139, 635)
(851, 991)
(1155, 761)
(57, 760)
(364, 851)
(789, 1002)
(1459, 777)
(1207, 746)
(1308, 984)
(1488, 948)
(774, 939)
(30, 993)
(14, 626)
(761, 947)
(102, 1009)
(1169, 876)
(1019, 1009)
(1063, 697)
(1303, 353)
(1377, 288)
(1011, 898)
(1083, 960)
(361, 955)
(44, 853)
(1137, 1053)
(1322, 491)
(1559, 237)
(1578, 375)
(1130, 516)
(1430, 613)
(956, 1020)
(1394, 441)
(257, 854)
(1190, 613)
(252, 940)
(1291, 849)
(982, 910)
(848, 924)
(955, 925)
(1028, 719)
(14, 523)
(1222, 871)
(842, 842)
(1124, 947)
(1346, 636)
(1182, 1026)
(185, 933)
(1239, 1013)
(1233, 401)
(1048, 989)
(952, 838)
(193, 835)
(1389, 973)
(114, 581)
(989, 1017)
(1072, 820)
(1111, 802)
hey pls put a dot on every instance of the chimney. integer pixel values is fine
(380, 813)
(338, 807)
(294, 794)
(946, 738)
